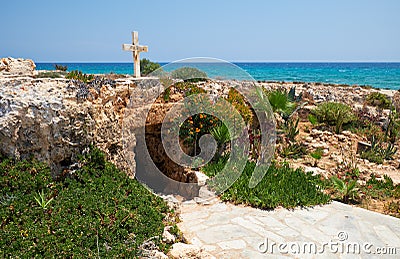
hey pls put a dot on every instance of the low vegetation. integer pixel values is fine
(147, 67)
(60, 67)
(189, 74)
(96, 211)
(78, 75)
(281, 186)
(379, 100)
(51, 74)
(334, 115)
(379, 151)
(282, 102)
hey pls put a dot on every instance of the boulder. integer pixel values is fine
(18, 66)
(167, 236)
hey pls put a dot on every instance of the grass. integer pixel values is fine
(281, 186)
(96, 211)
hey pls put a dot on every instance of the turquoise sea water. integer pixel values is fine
(379, 75)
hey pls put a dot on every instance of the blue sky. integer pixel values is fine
(252, 30)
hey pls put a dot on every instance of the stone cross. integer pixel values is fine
(136, 49)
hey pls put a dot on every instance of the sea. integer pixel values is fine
(377, 75)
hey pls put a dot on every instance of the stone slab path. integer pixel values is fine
(335, 230)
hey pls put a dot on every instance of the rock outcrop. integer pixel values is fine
(43, 118)
(12, 66)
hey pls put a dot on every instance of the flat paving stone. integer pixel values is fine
(228, 231)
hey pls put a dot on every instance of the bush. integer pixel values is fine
(292, 150)
(238, 101)
(334, 114)
(147, 66)
(60, 67)
(379, 100)
(379, 151)
(78, 75)
(221, 134)
(281, 186)
(380, 188)
(347, 188)
(392, 131)
(317, 155)
(291, 129)
(96, 211)
(196, 126)
(189, 74)
(283, 101)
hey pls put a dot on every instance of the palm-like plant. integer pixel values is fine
(281, 103)
(222, 136)
(291, 129)
(41, 200)
(347, 189)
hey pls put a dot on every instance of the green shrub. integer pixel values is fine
(60, 67)
(372, 156)
(281, 102)
(196, 126)
(392, 131)
(381, 188)
(347, 188)
(97, 211)
(239, 102)
(212, 169)
(379, 100)
(292, 150)
(167, 93)
(312, 119)
(317, 155)
(78, 75)
(281, 186)
(291, 129)
(189, 74)
(147, 66)
(221, 134)
(379, 151)
(334, 114)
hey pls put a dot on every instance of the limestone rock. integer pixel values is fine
(18, 66)
(42, 118)
(167, 236)
(188, 251)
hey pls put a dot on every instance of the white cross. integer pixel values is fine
(136, 49)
